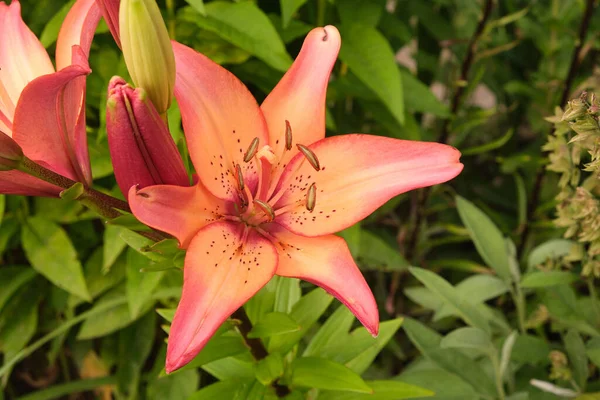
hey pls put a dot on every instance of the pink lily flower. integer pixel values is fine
(43, 110)
(272, 190)
(142, 150)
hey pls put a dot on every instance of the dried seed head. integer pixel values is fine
(310, 156)
(288, 135)
(266, 208)
(239, 176)
(311, 197)
(252, 149)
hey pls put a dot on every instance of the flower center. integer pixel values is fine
(259, 207)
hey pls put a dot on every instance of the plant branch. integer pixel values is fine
(105, 205)
(467, 63)
(257, 348)
(573, 68)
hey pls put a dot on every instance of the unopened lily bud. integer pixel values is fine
(142, 150)
(11, 154)
(147, 50)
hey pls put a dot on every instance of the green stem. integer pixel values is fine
(499, 380)
(321, 7)
(103, 204)
(519, 300)
(171, 18)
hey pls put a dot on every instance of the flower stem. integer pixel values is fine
(103, 204)
(257, 348)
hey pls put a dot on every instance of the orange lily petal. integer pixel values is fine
(19, 183)
(358, 174)
(223, 269)
(220, 118)
(22, 57)
(326, 261)
(77, 29)
(299, 97)
(178, 210)
(47, 129)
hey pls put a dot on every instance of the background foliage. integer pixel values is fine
(481, 295)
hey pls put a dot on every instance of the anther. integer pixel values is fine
(310, 156)
(311, 197)
(239, 176)
(266, 208)
(252, 149)
(288, 135)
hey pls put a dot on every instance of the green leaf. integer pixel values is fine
(288, 8)
(593, 351)
(547, 278)
(379, 254)
(382, 390)
(550, 250)
(197, 5)
(135, 343)
(217, 348)
(489, 146)
(113, 246)
(166, 313)
(305, 312)
(507, 349)
(577, 357)
(475, 289)
(530, 350)
(446, 386)
(269, 369)
(140, 285)
(469, 338)
(19, 318)
(179, 386)
(246, 26)
(72, 193)
(50, 32)
(51, 253)
(320, 373)
(371, 58)
(365, 357)
(487, 238)
(467, 311)
(428, 342)
(273, 324)
(12, 279)
(230, 368)
(332, 330)
(109, 320)
(262, 302)
(141, 245)
(287, 294)
(418, 97)
(234, 389)
(366, 12)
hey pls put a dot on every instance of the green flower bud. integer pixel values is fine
(575, 109)
(147, 50)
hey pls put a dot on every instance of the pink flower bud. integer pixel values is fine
(142, 150)
(10, 153)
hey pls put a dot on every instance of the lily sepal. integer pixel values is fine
(142, 150)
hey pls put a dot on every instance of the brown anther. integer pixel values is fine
(239, 176)
(252, 149)
(266, 208)
(310, 156)
(311, 197)
(288, 135)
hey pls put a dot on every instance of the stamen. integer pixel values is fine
(252, 149)
(239, 176)
(311, 197)
(288, 135)
(310, 156)
(266, 208)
